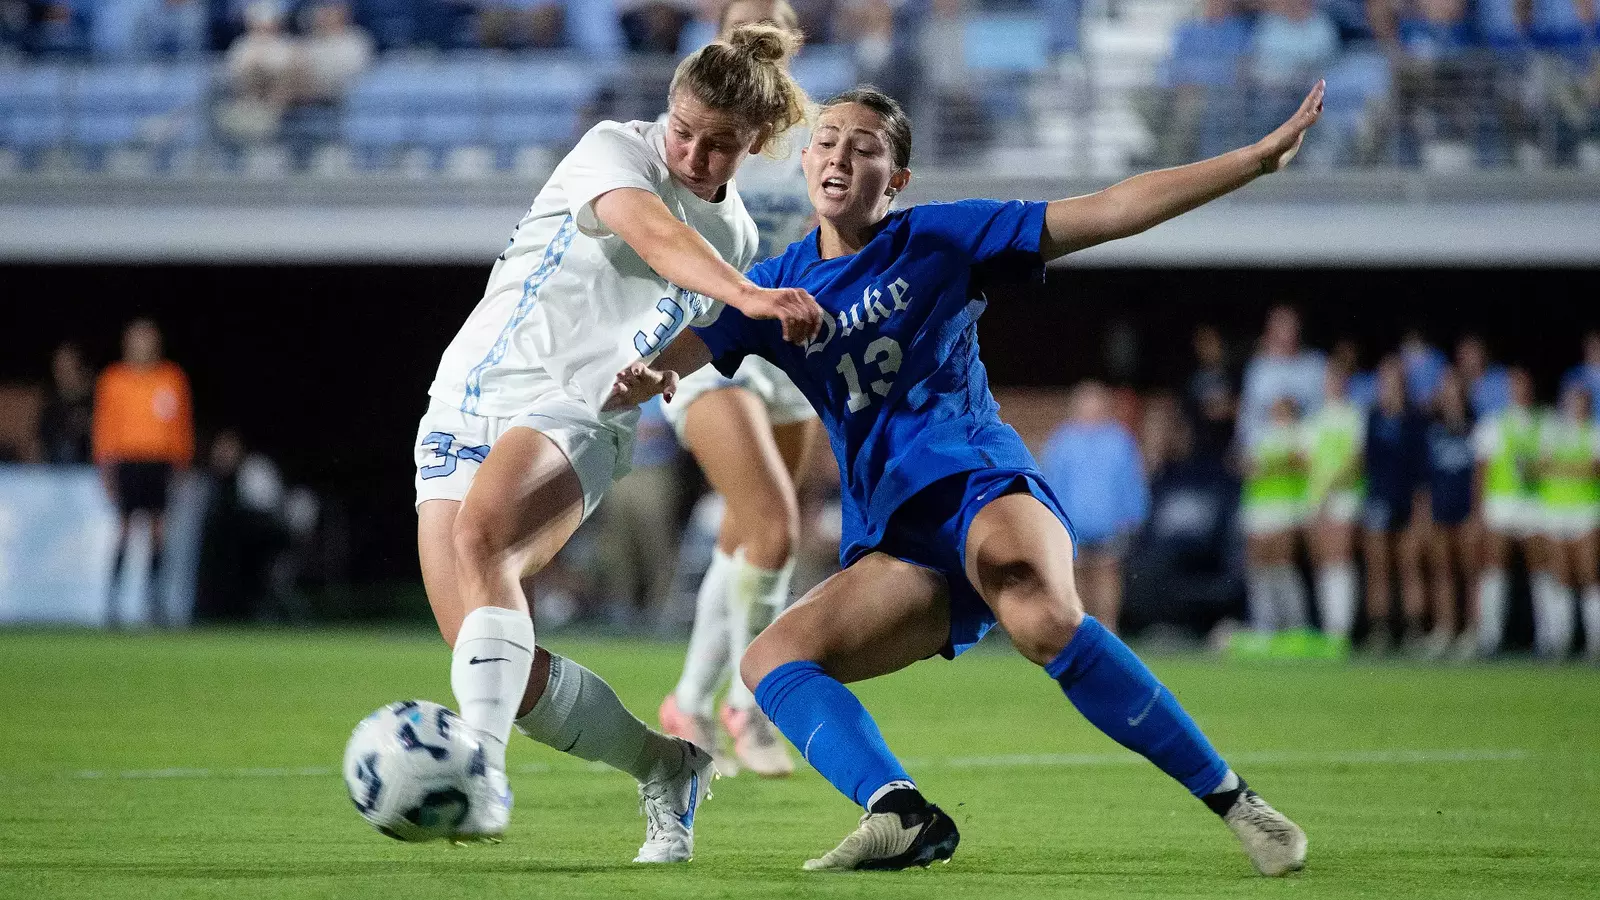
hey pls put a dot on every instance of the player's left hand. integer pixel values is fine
(1281, 145)
(638, 383)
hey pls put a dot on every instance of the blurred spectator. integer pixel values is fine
(1294, 43)
(960, 118)
(1205, 111)
(1587, 373)
(1093, 466)
(1424, 365)
(869, 26)
(1396, 504)
(1360, 385)
(139, 28)
(1506, 445)
(1565, 75)
(522, 24)
(331, 56)
(654, 26)
(261, 75)
(243, 537)
(1488, 384)
(1451, 540)
(1568, 470)
(1210, 399)
(143, 431)
(1280, 368)
(57, 27)
(638, 512)
(67, 415)
(1335, 439)
(1272, 512)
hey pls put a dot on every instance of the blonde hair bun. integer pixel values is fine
(764, 43)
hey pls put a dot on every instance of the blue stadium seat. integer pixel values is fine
(825, 70)
(381, 116)
(451, 107)
(159, 107)
(32, 117)
(1006, 43)
(536, 103)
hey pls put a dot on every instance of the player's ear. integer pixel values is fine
(762, 137)
(898, 181)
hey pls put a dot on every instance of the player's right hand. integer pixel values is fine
(795, 309)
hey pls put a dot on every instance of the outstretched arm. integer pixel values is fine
(1143, 201)
(641, 380)
(679, 254)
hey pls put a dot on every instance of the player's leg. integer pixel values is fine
(1018, 556)
(1440, 550)
(1408, 565)
(1332, 541)
(877, 616)
(1468, 546)
(1553, 597)
(1101, 578)
(1375, 548)
(1586, 556)
(1492, 590)
(732, 439)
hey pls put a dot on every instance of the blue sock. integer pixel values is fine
(1120, 696)
(833, 731)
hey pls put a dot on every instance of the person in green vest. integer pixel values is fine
(1569, 505)
(1273, 510)
(1334, 439)
(1506, 445)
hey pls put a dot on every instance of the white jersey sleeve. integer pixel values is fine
(603, 161)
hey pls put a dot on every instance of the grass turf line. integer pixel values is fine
(1044, 811)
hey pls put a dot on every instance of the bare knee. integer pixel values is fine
(1040, 613)
(769, 540)
(762, 656)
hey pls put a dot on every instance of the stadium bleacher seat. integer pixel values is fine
(32, 117)
(156, 107)
(535, 103)
(824, 70)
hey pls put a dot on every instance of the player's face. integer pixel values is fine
(849, 166)
(705, 145)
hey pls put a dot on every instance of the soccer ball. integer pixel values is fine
(410, 769)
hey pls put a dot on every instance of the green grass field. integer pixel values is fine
(206, 765)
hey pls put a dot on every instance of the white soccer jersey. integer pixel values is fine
(774, 191)
(570, 302)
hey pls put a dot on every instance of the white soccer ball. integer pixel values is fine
(410, 769)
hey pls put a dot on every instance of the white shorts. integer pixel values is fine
(1273, 517)
(784, 402)
(1568, 524)
(1341, 507)
(1511, 516)
(450, 444)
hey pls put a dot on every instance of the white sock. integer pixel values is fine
(707, 659)
(489, 673)
(581, 715)
(1291, 595)
(1552, 615)
(755, 597)
(1259, 590)
(1336, 598)
(1491, 610)
(1591, 618)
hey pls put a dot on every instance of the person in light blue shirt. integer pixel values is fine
(1587, 373)
(1280, 368)
(1093, 465)
(948, 525)
(1425, 367)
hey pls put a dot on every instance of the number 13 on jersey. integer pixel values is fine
(884, 353)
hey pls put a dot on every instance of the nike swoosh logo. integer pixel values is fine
(475, 660)
(687, 819)
(1134, 722)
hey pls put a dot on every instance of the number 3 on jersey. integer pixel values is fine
(883, 353)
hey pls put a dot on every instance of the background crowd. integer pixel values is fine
(1446, 84)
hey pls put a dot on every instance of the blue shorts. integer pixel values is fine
(930, 530)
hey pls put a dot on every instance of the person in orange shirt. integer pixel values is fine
(143, 433)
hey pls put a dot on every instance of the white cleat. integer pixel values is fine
(1275, 845)
(669, 805)
(488, 810)
(891, 841)
(756, 743)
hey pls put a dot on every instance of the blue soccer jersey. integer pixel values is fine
(894, 372)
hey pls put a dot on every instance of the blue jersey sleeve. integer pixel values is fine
(1001, 236)
(729, 339)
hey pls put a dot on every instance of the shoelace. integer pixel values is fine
(657, 815)
(1259, 814)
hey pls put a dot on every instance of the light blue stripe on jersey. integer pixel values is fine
(553, 252)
